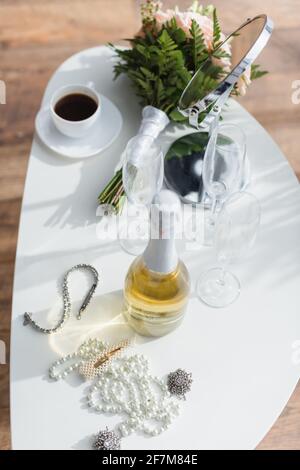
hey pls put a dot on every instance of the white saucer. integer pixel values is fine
(105, 130)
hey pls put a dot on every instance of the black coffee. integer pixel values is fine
(75, 107)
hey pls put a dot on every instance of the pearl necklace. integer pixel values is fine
(124, 385)
(127, 387)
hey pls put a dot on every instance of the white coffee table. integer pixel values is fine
(243, 358)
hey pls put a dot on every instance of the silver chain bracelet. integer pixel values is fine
(67, 301)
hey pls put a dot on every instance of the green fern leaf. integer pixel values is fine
(198, 46)
(166, 42)
(256, 72)
(216, 29)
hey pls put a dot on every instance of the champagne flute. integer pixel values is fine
(235, 233)
(142, 174)
(223, 168)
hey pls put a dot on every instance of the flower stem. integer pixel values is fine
(113, 193)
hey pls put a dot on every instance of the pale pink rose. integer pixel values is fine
(184, 21)
(244, 81)
(163, 16)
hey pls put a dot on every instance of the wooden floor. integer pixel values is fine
(37, 35)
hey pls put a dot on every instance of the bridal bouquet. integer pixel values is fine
(163, 57)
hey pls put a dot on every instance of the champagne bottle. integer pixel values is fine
(157, 284)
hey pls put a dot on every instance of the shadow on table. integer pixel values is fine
(276, 255)
(271, 183)
(279, 231)
(93, 67)
(33, 266)
(79, 208)
(102, 320)
(275, 258)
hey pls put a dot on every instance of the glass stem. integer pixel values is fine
(213, 210)
(221, 279)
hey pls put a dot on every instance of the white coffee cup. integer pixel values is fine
(75, 129)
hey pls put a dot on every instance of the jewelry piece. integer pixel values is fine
(179, 383)
(89, 370)
(127, 387)
(90, 360)
(88, 350)
(107, 440)
(67, 301)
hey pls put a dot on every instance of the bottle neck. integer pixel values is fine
(161, 256)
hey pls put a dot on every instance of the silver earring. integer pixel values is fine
(179, 383)
(107, 440)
